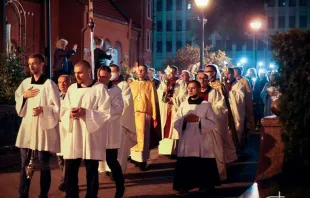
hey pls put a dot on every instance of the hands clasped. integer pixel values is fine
(191, 118)
(77, 112)
(36, 111)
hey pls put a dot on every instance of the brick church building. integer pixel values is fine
(26, 28)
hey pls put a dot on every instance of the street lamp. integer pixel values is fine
(243, 60)
(202, 5)
(91, 26)
(255, 25)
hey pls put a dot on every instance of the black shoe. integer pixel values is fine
(143, 166)
(62, 187)
(120, 192)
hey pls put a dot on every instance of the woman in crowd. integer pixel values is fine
(61, 64)
(270, 93)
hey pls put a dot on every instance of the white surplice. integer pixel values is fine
(237, 104)
(179, 95)
(62, 132)
(220, 133)
(128, 129)
(38, 132)
(129, 136)
(195, 141)
(113, 127)
(86, 136)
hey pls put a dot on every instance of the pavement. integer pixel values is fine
(154, 183)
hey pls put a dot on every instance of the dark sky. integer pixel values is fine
(232, 17)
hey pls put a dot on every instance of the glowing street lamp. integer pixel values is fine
(271, 65)
(243, 60)
(260, 63)
(255, 25)
(202, 4)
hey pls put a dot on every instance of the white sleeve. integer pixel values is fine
(127, 96)
(182, 95)
(117, 107)
(177, 123)
(208, 123)
(96, 119)
(21, 103)
(50, 116)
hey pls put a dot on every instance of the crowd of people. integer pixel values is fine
(202, 119)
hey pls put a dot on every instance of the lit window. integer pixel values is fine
(189, 6)
(148, 40)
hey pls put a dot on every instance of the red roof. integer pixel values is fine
(108, 9)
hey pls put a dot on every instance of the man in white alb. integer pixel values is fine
(85, 111)
(37, 102)
(114, 130)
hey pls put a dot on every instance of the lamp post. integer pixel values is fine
(201, 4)
(255, 25)
(91, 25)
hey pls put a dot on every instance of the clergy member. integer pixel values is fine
(143, 92)
(85, 111)
(185, 76)
(171, 93)
(64, 81)
(214, 81)
(114, 131)
(37, 102)
(249, 116)
(196, 165)
(152, 77)
(218, 104)
(129, 136)
(237, 101)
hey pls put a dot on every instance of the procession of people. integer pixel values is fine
(107, 123)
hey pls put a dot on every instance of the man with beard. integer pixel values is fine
(171, 93)
(37, 102)
(143, 92)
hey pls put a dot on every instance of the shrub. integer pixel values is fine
(292, 53)
(11, 75)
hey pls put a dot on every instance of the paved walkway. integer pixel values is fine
(155, 183)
